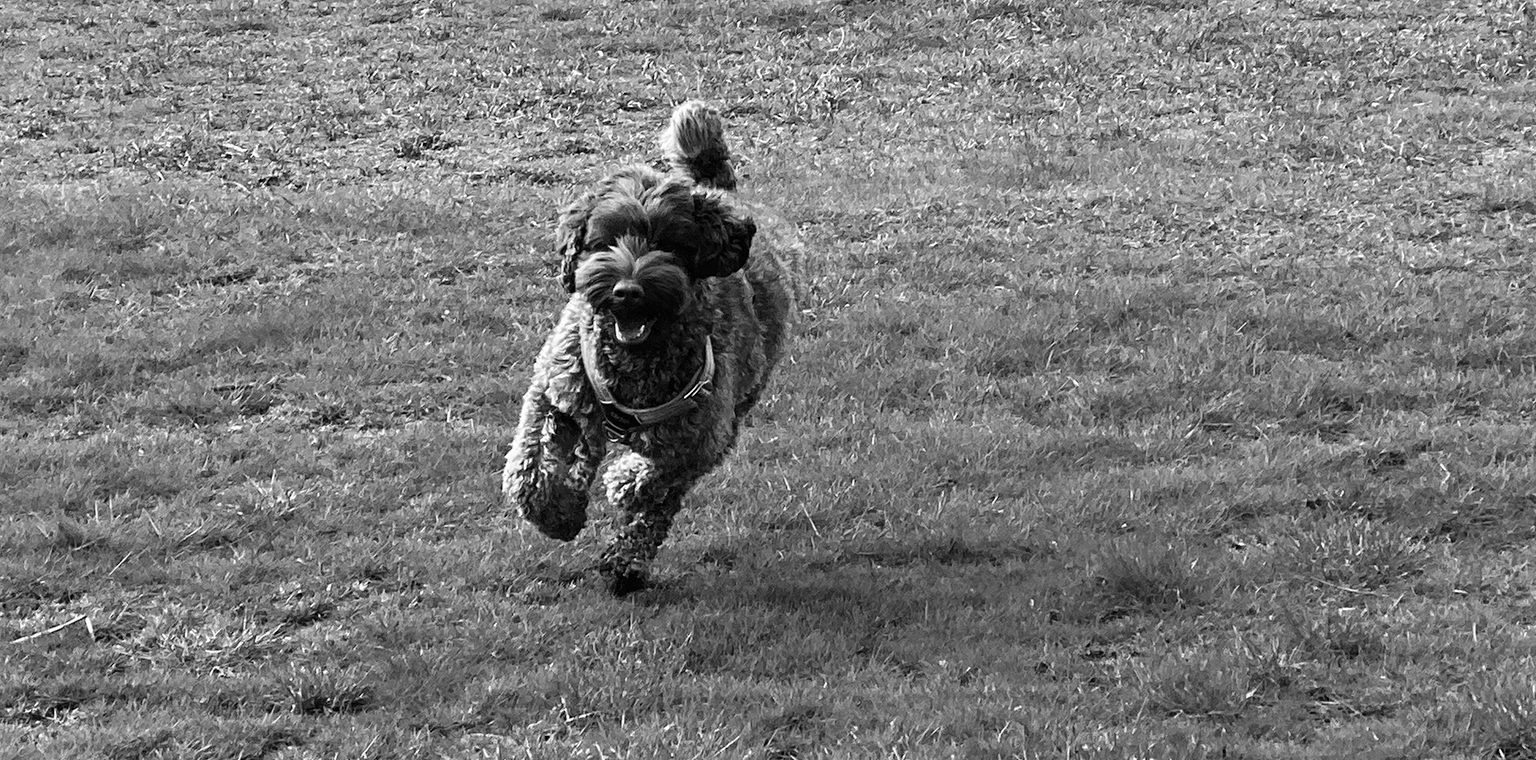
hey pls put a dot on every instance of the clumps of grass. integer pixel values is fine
(193, 402)
(1353, 552)
(1136, 575)
(310, 690)
(138, 745)
(174, 149)
(30, 704)
(1140, 744)
(562, 13)
(795, 19)
(1494, 715)
(13, 357)
(27, 585)
(1200, 684)
(70, 535)
(305, 613)
(1336, 634)
(1264, 681)
(1324, 411)
(238, 739)
(416, 146)
(789, 732)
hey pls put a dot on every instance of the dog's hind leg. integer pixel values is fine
(650, 494)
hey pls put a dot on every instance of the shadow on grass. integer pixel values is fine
(894, 606)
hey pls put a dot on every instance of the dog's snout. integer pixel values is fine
(628, 292)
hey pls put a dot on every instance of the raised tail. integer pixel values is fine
(694, 144)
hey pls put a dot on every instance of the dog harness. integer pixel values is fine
(622, 422)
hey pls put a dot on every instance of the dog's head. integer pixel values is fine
(635, 245)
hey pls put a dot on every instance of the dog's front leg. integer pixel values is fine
(553, 460)
(650, 493)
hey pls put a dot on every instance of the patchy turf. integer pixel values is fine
(1163, 387)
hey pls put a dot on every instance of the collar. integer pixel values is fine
(624, 422)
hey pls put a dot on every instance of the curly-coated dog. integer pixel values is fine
(675, 323)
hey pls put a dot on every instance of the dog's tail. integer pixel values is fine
(694, 144)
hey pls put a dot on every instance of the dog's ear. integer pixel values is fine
(571, 237)
(726, 236)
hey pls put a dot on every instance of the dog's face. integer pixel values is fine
(635, 245)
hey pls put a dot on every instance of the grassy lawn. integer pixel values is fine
(1165, 385)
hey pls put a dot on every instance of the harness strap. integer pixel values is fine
(624, 422)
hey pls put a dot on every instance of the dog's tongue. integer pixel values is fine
(630, 333)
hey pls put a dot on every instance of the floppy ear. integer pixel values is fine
(726, 236)
(571, 237)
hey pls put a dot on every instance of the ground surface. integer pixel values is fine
(1164, 386)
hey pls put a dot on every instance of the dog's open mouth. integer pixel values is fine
(631, 332)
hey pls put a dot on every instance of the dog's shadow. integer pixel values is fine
(904, 605)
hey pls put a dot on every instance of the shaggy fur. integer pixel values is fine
(663, 270)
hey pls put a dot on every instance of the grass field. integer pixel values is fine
(1165, 385)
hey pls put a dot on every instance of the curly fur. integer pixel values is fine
(671, 212)
(659, 265)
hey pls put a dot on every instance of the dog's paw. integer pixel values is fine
(628, 583)
(622, 577)
(558, 511)
(558, 530)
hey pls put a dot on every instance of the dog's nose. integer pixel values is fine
(627, 292)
